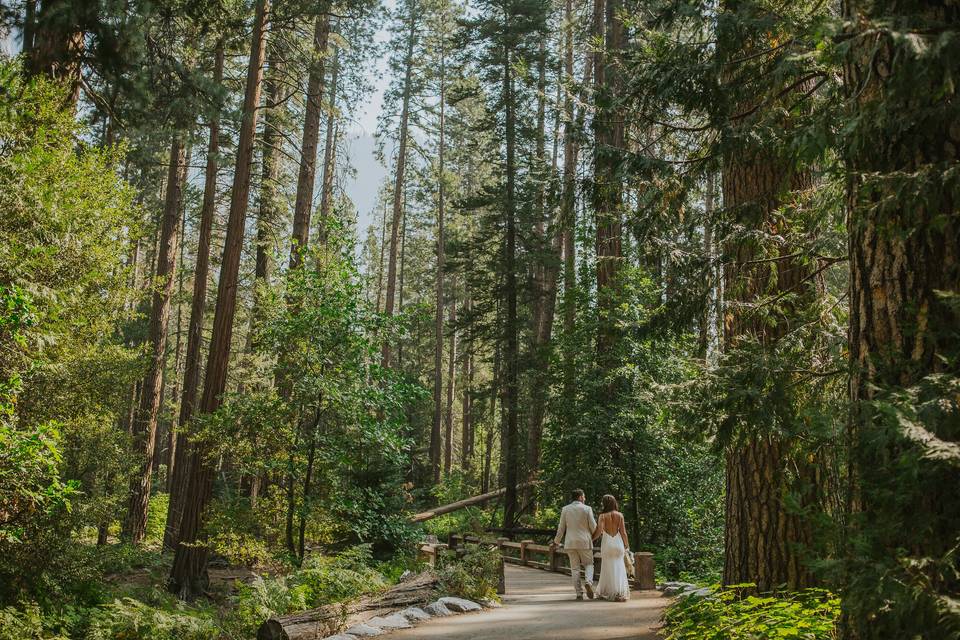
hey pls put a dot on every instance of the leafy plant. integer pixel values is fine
(811, 614)
(474, 575)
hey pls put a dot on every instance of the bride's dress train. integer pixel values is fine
(613, 584)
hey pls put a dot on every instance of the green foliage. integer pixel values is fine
(25, 623)
(129, 619)
(811, 614)
(474, 575)
(338, 578)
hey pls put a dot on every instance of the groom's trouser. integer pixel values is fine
(580, 559)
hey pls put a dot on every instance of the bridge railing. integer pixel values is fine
(528, 553)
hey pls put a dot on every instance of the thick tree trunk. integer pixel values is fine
(904, 248)
(762, 534)
(180, 472)
(608, 191)
(189, 574)
(59, 44)
(398, 188)
(145, 424)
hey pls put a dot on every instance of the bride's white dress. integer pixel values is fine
(613, 584)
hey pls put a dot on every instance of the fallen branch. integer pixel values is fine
(467, 502)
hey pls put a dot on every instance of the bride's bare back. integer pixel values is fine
(612, 523)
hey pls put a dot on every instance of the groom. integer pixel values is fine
(576, 533)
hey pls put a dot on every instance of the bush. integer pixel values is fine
(811, 614)
(348, 575)
(258, 601)
(474, 575)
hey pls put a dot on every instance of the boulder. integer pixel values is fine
(437, 609)
(460, 605)
(389, 623)
(341, 636)
(415, 614)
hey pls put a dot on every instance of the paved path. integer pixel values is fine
(540, 605)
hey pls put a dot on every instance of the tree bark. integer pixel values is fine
(188, 577)
(180, 471)
(608, 192)
(511, 326)
(59, 45)
(451, 391)
(329, 151)
(398, 187)
(438, 320)
(904, 249)
(303, 204)
(145, 424)
(761, 534)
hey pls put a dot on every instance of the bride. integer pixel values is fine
(613, 584)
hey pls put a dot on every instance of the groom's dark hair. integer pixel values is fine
(576, 494)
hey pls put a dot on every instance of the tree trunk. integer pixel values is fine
(904, 248)
(329, 152)
(608, 191)
(466, 432)
(545, 294)
(438, 320)
(398, 187)
(707, 320)
(145, 424)
(59, 45)
(188, 576)
(451, 392)
(511, 327)
(303, 205)
(180, 472)
(761, 532)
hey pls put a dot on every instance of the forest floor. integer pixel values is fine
(540, 605)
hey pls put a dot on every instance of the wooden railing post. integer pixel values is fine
(644, 570)
(452, 541)
(553, 559)
(523, 551)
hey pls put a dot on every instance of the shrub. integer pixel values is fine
(730, 615)
(329, 579)
(474, 575)
(258, 601)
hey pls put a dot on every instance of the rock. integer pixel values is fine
(437, 609)
(460, 605)
(363, 631)
(703, 592)
(389, 623)
(490, 604)
(675, 588)
(341, 636)
(415, 614)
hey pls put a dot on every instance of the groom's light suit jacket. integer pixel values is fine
(576, 526)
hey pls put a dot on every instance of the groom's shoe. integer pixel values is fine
(589, 588)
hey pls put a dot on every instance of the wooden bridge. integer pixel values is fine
(527, 553)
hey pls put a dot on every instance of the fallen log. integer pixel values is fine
(466, 502)
(328, 620)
